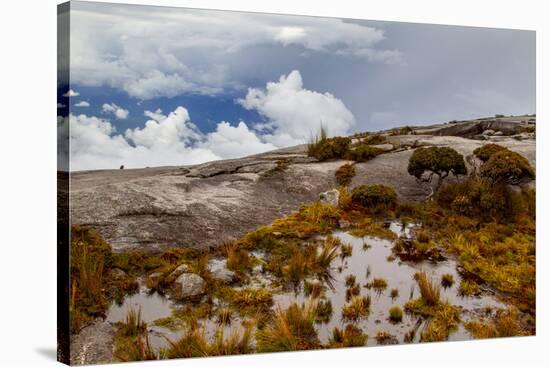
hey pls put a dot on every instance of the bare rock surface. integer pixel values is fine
(94, 344)
(204, 205)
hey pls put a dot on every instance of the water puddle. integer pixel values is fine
(370, 259)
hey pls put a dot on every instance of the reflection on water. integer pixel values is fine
(369, 260)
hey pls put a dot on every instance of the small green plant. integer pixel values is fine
(352, 291)
(351, 336)
(468, 288)
(378, 284)
(383, 337)
(447, 280)
(324, 311)
(345, 174)
(358, 307)
(394, 293)
(429, 289)
(291, 329)
(133, 325)
(350, 280)
(396, 314)
(444, 321)
(346, 250)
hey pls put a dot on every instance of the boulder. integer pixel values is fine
(219, 270)
(330, 197)
(488, 132)
(188, 286)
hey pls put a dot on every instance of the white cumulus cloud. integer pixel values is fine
(296, 113)
(71, 93)
(82, 104)
(119, 112)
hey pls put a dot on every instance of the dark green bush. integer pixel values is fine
(329, 148)
(485, 152)
(507, 167)
(373, 139)
(438, 161)
(478, 198)
(363, 152)
(374, 196)
(344, 174)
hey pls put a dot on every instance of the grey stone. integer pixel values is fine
(188, 285)
(330, 197)
(183, 268)
(343, 224)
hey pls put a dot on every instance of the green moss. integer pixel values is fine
(396, 314)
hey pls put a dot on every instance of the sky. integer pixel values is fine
(153, 86)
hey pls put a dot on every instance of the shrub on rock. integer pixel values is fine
(374, 196)
(508, 167)
(364, 152)
(439, 161)
(329, 148)
(485, 152)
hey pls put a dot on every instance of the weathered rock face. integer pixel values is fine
(204, 205)
(94, 344)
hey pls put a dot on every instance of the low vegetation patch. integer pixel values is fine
(344, 174)
(351, 336)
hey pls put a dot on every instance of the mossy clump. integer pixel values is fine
(378, 284)
(290, 329)
(443, 322)
(346, 250)
(469, 289)
(324, 311)
(447, 280)
(439, 161)
(507, 167)
(374, 197)
(344, 174)
(363, 152)
(486, 151)
(384, 338)
(396, 314)
(357, 308)
(351, 336)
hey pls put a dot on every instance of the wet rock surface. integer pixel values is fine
(204, 205)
